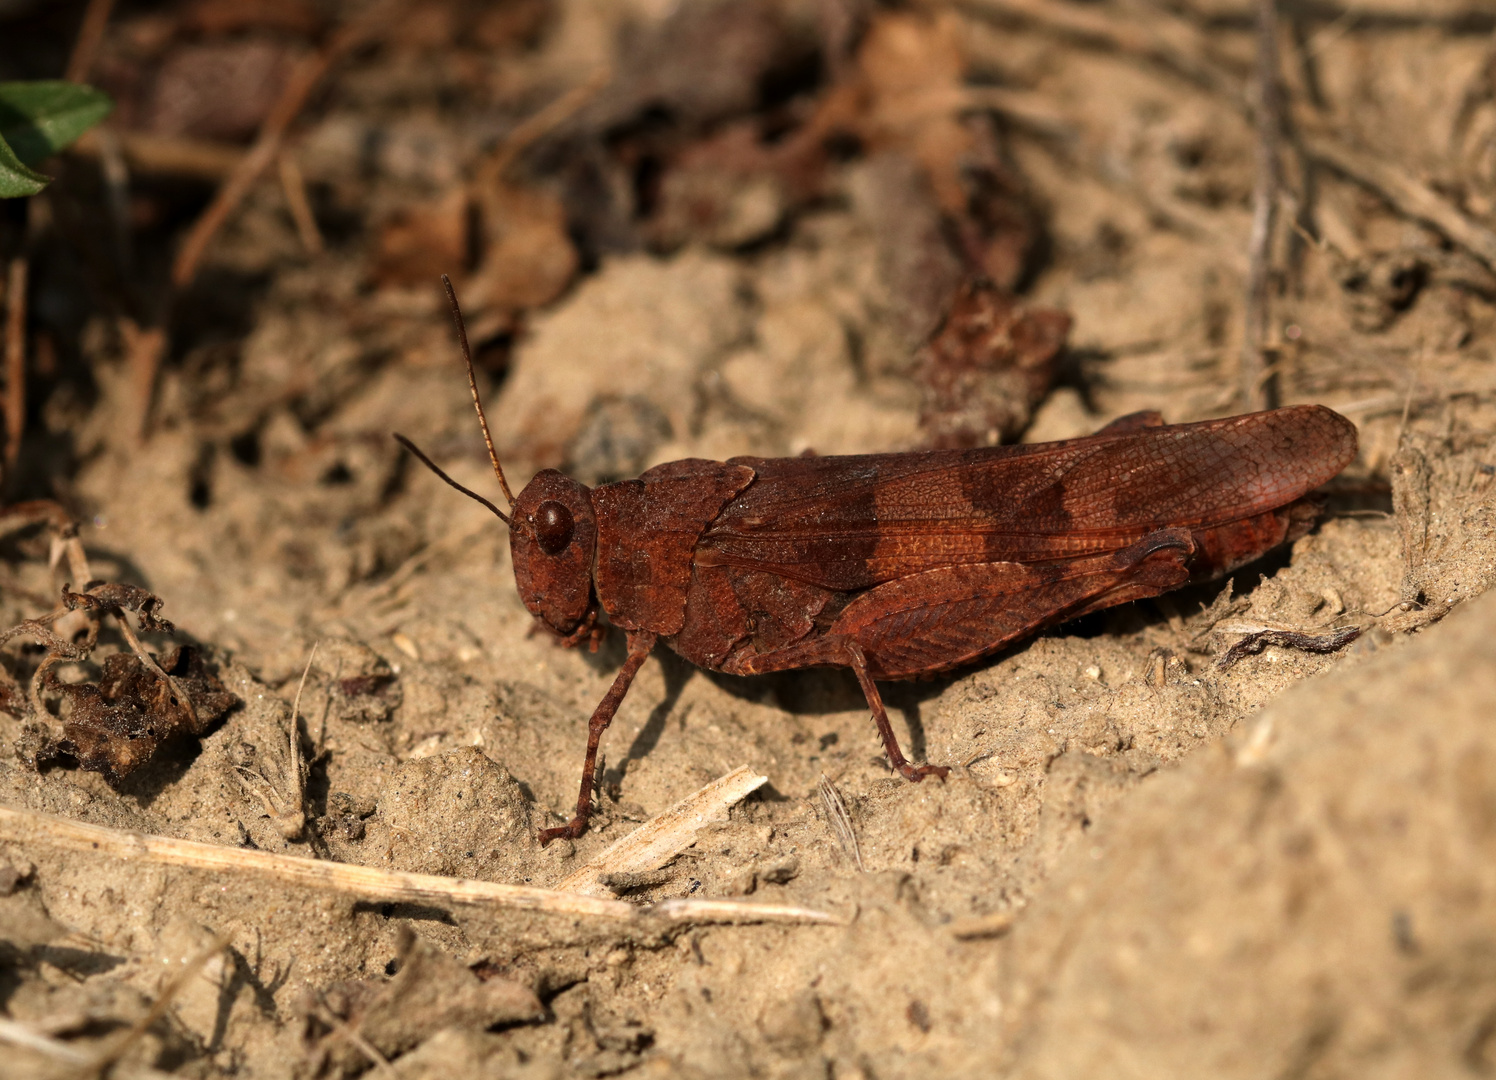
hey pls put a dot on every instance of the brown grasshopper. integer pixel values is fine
(900, 565)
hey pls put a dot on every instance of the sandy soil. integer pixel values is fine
(1141, 864)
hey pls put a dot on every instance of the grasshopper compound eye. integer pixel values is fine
(554, 527)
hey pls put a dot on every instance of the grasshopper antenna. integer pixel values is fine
(467, 358)
(416, 450)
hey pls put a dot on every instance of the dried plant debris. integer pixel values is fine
(840, 821)
(1255, 642)
(140, 701)
(116, 725)
(108, 598)
(900, 93)
(987, 368)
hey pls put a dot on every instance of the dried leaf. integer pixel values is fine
(423, 241)
(903, 98)
(103, 597)
(116, 725)
(528, 257)
(987, 367)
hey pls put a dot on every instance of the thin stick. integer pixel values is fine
(18, 1034)
(167, 155)
(303, 80)
(665, 835)
(90, 34)
(296, 762)
(1407, 408)
(288, 812)
(65, 547)
(1172, 42)
(116, 176)
(292, 822)
(1254, 374)
(1025, 108)
(100, 1065)
(294, 186)
(977, 927)
(367, 882)
(467, 358)
(15, 359)
(346, 1031)
(144, 349)
(736, 911)
(1408, 195)
(539, 124)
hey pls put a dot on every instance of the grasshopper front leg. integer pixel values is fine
(639, 645)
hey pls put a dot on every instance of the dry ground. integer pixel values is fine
(1141, 864)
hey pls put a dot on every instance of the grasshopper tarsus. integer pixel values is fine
(915, 773)
(570, 831)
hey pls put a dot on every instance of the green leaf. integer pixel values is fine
(39, 118)
(16, 179)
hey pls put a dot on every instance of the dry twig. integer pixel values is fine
(148, 658)
(1255, 373)
(533, 128)
(366, 882)
(144, 348)
(841, 821)
(1257, 640)
(100, 1065)
(86, 45)
(977, 927)
(15, 360)
(18, 1034)
(665, 835)
(293, 184)
(116, 176)
(1171, 42)
(167, 155)
(1404, 192)
(348, 1033)
(304, 78)
(67, 1055)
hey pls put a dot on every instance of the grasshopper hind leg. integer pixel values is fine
(913, 773)
(839, 650)
(942, 618)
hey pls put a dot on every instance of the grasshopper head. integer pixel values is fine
(552, 538)
(552, 532)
